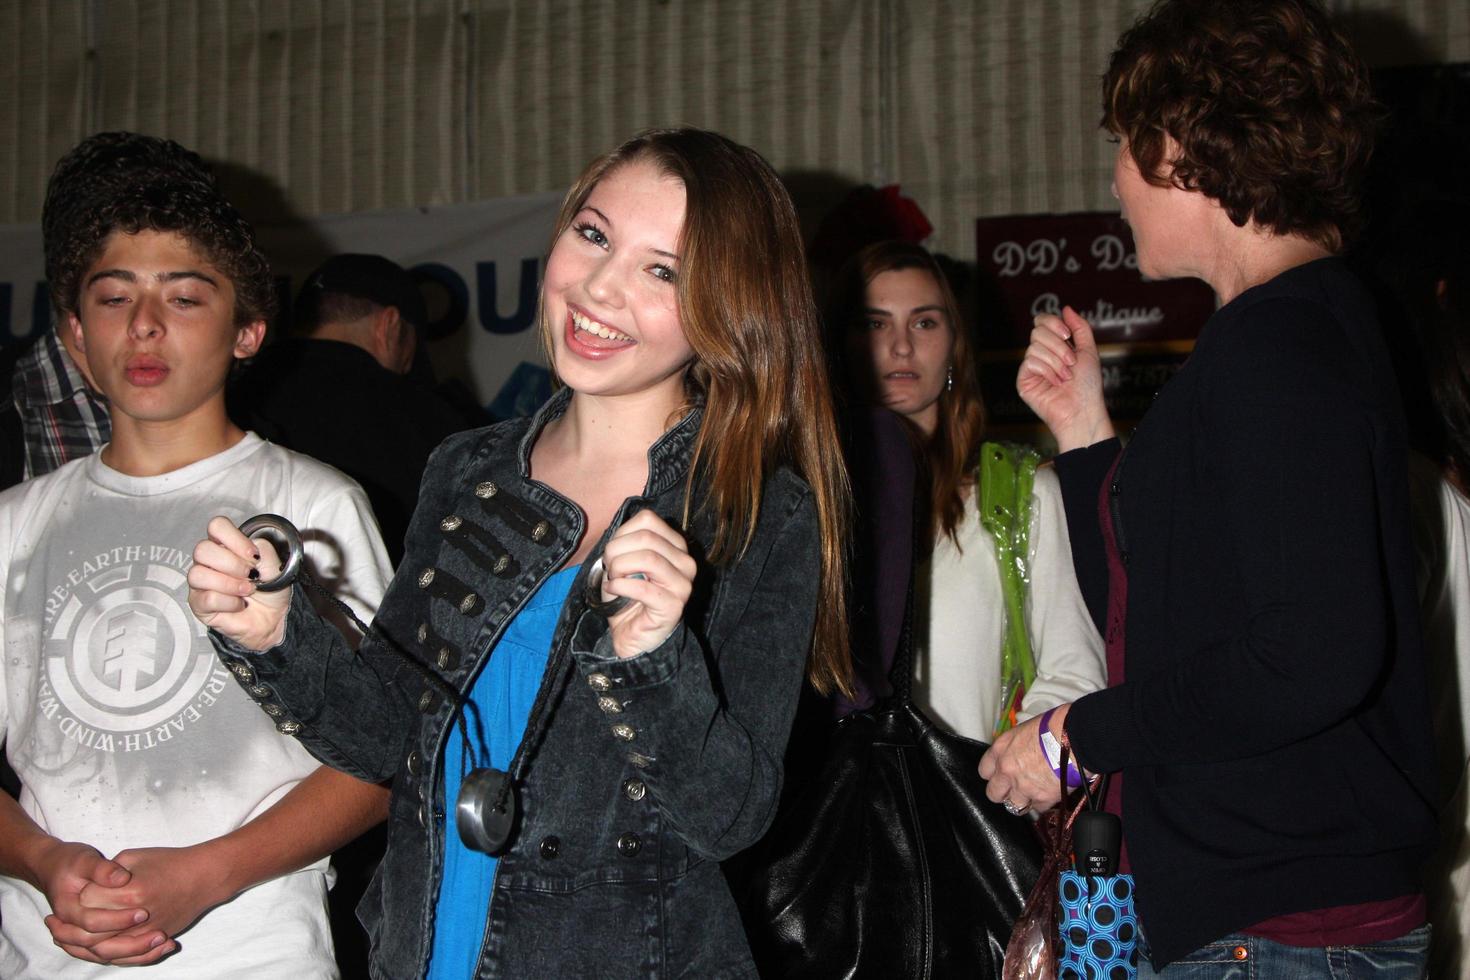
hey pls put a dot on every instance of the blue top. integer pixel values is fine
(503, 695)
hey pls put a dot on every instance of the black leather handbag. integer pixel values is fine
(890, 863)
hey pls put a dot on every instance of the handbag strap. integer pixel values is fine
(1005, 478)
(901, 674)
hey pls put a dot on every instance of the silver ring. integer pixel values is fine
(606, 608)
(1012, 809)
(294, 549)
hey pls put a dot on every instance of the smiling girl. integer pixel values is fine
(644, 743)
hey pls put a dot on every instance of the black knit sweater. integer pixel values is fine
(1273, 725)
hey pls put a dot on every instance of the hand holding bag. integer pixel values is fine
(1079, 922)
(1034, 950)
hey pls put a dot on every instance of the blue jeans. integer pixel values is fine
(1241, 957)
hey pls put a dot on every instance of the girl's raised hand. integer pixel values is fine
(222, 591)
(1061, 380)
(646, 546)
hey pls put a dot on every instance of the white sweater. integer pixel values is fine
(1442, 551)
(957, 650)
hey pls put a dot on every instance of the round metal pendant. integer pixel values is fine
(483, 826)
(286, 530)
(606, 608)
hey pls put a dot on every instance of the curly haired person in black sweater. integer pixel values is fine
(1248, 555)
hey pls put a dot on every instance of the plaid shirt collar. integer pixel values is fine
(63, 418)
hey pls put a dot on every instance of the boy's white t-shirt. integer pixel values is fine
(124, 728)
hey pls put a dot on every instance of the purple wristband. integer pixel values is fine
(1074, 775)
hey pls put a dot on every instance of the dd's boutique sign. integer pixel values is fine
(1032, 264)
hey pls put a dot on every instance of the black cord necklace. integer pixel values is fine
(485, 810)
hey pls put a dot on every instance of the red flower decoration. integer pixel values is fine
(905, 215)
(865, 216)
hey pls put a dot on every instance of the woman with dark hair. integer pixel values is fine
(896, 326)
(605, 612)
(1266, 720)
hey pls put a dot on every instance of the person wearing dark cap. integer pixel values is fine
(367, 301)
(338, 387)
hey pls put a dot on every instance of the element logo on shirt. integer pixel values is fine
(127, 666)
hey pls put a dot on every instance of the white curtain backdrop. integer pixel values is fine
(977, 107)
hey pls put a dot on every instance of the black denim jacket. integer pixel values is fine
(647, 771)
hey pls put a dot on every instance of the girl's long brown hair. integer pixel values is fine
(953, 451)
(746, 307)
